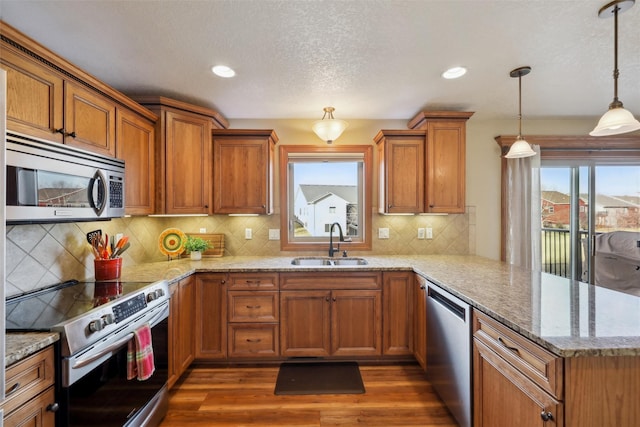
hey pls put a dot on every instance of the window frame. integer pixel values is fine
(367, 155)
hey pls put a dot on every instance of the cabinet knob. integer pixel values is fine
(326, 299)
(334, 299)
(431, 206)
(546, 416)
(53, 407)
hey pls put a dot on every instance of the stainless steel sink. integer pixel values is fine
(311, 261)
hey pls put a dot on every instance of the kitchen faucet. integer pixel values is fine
(332, 250)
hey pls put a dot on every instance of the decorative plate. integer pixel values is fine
(171, 241)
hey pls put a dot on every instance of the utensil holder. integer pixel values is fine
(107, 269)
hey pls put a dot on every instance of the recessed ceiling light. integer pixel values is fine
(223, 71)
(454, 73)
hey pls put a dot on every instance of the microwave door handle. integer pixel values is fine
(98, 192)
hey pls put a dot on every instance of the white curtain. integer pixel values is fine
(523, 211)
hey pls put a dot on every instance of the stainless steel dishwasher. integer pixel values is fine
(449, 351)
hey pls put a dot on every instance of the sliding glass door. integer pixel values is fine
(590, 219)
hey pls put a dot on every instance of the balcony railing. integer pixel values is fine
(556, 251)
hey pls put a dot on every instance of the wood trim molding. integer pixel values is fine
(419, 119)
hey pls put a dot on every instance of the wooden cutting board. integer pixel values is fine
(216, 239)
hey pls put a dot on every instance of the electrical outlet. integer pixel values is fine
(421, 232)
(383, 233)
(274, 234)
(429, 233)
(203, 230)
(248, 233)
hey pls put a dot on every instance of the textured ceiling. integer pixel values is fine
(370, 59)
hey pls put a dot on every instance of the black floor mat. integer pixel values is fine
(319, 378)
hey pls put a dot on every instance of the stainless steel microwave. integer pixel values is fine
(51, 182)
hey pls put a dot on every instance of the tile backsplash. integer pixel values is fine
(39, 255)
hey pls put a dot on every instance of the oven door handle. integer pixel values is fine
(84, 362)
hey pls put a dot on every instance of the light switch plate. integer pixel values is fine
(429, 233)
(421, 233)
(248, 233)
(383, 233)
(274, 234)
(203, 230)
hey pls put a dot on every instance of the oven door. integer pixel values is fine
(104, 396)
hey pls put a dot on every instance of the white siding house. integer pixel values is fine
(319, 206)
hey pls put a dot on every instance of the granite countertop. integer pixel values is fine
(568, 318)
(19, 345)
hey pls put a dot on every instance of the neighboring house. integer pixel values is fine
(319, 206)
(556, 209)
(617, 212)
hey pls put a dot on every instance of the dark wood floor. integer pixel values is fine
(396, 395)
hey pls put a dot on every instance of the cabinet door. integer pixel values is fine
(174, 325)
(181, 327)
(186, 330)
(356, 320)
(397, 309)
(34, 97)
(305, 323)
(420, 321)
(445, 167)
(211, 316)
(135, 145)
(402, 173)
(34, 413)
(504, 397)
(89, 120)
(242, 174)
(188, 163)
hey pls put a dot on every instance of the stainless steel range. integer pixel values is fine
(96, 321)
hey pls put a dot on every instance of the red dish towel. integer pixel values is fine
(140, 355)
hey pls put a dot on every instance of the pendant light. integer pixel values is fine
(617, 120)
(520, 148)
(329, 129)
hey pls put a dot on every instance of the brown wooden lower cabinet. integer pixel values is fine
(30, 394)
(211, 316)
(397, 309)
(420, 320)
(181, 330)
(331, 323)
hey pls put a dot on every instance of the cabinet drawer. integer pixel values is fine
(542, 367)
(262, 281)
(316, 280)
(246, 306)
(27, 378)
(253, 340)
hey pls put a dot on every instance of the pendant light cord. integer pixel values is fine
(615, 103)
(519, 105)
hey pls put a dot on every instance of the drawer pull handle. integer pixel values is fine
(254, 340)
(253, 282)
(12, 390)
(514, 349)
(254, 306)
(546, 416)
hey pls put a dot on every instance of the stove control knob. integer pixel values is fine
(96, 325)
(99, 324)
(108, 319)
(154, 295)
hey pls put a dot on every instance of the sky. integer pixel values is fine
(610, 180)
(326, 173)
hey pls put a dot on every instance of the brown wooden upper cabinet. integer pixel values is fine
(183, 155)
(422, 170)
(50, 98)
(243, 171)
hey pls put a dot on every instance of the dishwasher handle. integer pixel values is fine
(452, 306)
